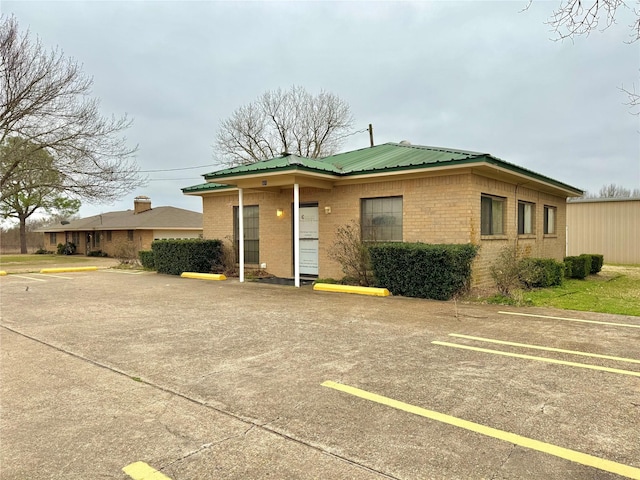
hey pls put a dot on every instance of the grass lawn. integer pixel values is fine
(34, 263)
(616, 289)
(28, 260)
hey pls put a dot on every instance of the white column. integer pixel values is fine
(296, 233)
(241, 233)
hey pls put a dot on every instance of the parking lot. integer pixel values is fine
(206, 380)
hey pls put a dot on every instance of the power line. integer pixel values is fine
(175, 169)
(172, 179)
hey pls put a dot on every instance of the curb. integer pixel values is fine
(330, 287)
(68, 269)
(203, 276)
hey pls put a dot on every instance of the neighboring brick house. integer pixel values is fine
(130, 230)
(398, 192)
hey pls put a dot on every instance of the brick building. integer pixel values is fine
(129, 230)
(397, 192)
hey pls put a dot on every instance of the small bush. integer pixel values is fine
(146, 259)
(540, 272)
(597, 261)
(228, 265)
(125, 251)
(352, 254)
(505, 271)
(422, 270)
(578, 267)
(67, 248)
(43, 251)
(97, 253)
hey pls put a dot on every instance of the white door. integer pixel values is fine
(309, 240)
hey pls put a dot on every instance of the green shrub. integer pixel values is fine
(540, 272)
(176, 256)
(577, 267)
(97, 253)
(597, 261)
(67, 248)
(146, 259)
(422, 270)
(43, 251)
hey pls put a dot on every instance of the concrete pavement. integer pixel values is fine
(224, 380)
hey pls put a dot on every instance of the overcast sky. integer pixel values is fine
(480, 76)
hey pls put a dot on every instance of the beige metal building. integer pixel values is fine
(609, 226)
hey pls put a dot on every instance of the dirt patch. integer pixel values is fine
(615, 270)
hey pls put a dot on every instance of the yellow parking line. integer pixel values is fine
(613, 324)
(539, 359)
(565, 453)
(547, 349)
(142, 471)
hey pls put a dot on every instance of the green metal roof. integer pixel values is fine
(206, 187)
(383, 158)
(394, 156)
(287, 162)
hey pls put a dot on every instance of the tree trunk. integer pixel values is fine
(23, 234)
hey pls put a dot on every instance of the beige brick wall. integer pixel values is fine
(535, 245)
(436, 209)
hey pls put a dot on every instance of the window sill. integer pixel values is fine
(550, 235)
(527, 236)
(494, 237)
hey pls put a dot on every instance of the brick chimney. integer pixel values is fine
(141, 204)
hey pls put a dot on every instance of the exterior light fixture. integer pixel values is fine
(279, 213)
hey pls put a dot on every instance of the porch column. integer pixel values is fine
(296, 233)
(241, 233)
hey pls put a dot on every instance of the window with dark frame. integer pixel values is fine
(130, 235)
(526, 218)
(381, 219)
(251, 233)
(491, 215)
(108, 235)
(550, 220)
(52, 238)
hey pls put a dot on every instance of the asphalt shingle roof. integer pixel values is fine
(169, 218)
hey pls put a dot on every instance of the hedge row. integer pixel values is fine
(583, 265)
(540, 272)
(176, 256)
(422, 270)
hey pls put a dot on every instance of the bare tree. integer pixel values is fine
(45, 102)
(611, 191)
(573, 18)
(617, 191)
(580, 17)
(292, 121)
